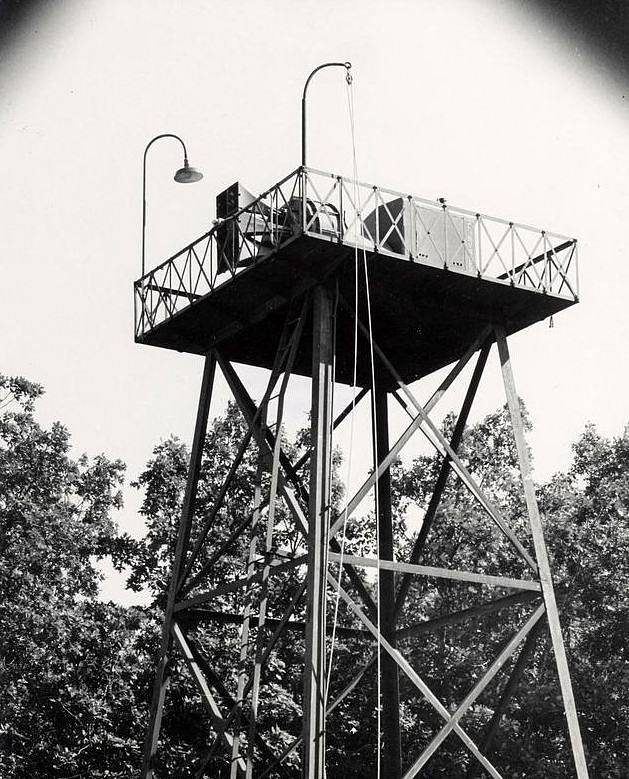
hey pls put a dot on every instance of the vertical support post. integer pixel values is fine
(318, 528)
(183, 537)
(541, 554)
(391, 757)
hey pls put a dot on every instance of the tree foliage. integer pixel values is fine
(70, 666)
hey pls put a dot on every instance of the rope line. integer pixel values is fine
(351, 444)
(357, 205)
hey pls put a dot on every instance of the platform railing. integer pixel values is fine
(435, 233)
(378, 220)
(229, 247)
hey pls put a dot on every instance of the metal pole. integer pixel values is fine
(148, 146)
(313, 766)
(183, 537)
(391, 757)
(541, 554)
(347, 66)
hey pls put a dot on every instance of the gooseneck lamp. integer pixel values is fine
(347, 66)
(185, 175)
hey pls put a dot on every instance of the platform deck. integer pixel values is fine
(431, 295)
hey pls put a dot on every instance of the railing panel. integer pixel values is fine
(366, 217)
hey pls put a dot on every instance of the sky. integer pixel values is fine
(484, 102)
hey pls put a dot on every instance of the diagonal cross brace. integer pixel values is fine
(438, 440)
(233, 586)
(469, 699)
(444, 472)
(282, 361)
(266, 443)
(292, 345)
(183, 537)
(229, 700)
(397, 447)
(264, 440)
(509, 689)
(415, 678)
(208, 698)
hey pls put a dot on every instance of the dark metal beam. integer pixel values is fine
(313, 765)
(195, 616)
(391, 754)
(277, 566)
(244, 688)
(289, 338)
(199, 677)
(288, 347)
(544, 256)
(351, 685)
(263, 436)
(183, 538)
(461, 616)
(209, 564)
(218, 503)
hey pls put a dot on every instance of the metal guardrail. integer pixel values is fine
(338, 209)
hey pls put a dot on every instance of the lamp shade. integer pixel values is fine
(188, 174)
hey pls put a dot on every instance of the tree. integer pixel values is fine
(71, 668)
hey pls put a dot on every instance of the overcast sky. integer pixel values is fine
(480, 102)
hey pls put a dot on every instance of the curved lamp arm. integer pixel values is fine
(148, 146)
(347, 66)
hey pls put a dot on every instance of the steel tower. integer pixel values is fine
(272, 285)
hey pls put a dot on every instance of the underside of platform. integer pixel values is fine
(423, 317)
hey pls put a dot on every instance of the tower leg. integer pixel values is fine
(318, 527)
(391, 757)
(541, 554)
(183, 537)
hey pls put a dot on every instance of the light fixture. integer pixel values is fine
(188, 174)
(185, 175)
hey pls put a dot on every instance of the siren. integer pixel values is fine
(385, 226)
(427, 234)
(229, 202)
(261, 228)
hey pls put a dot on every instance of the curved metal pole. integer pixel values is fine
(347, 66)
(148, 146)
